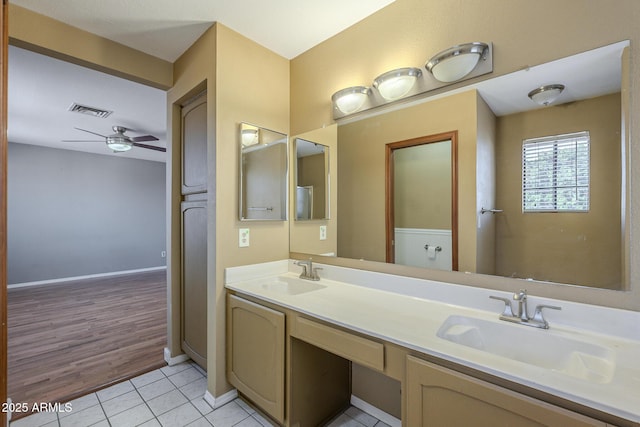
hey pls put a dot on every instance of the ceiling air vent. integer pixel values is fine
(91, 111)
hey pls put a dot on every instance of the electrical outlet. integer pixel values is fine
(163, 254)
(243, 237)
(323, 232)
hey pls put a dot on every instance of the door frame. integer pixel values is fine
(389, 190)
(4, 48)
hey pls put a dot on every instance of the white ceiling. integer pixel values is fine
(41, 89)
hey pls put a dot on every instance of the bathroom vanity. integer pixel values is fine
(291, 343)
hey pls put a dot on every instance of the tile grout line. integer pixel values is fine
(145, 404)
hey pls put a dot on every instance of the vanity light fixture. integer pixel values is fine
(249, 137)
(351, 99)
(395, 84)
(545, 95)
(454, 63)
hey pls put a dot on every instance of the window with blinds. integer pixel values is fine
(555, 173)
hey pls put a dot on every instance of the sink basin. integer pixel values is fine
(290, 286)
(584, 360)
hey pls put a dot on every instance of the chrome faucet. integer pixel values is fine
(522, 317)
(521, 297)
(308, 271)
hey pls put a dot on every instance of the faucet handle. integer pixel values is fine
(314, 273)
(538, 317)
(302, 264)
(508, 311)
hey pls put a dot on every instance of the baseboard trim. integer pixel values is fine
(174, 360)
(375, 412)
(216, 402)
(89, 276)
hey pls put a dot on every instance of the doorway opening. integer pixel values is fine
(421, 199)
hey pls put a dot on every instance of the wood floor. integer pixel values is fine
(69, 339)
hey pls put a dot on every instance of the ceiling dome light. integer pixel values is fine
(351, 99)
(545, 95)
(454, 63)
(395, 84)
(119, 142)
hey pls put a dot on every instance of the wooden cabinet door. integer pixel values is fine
(194, 146)
(437, 396)
(255, 354)
(194, 281)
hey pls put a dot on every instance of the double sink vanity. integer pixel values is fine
(291, 343)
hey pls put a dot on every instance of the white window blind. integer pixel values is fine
(555, 173)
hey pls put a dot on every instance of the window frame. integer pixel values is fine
(554, 141)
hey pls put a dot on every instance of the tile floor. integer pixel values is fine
(170, 397)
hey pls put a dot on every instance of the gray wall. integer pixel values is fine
(72, 213)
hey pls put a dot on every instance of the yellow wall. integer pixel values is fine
(252, 86)
(305, 235)
(42, 34)
(485, 189)
(408, 32)
(579, 248)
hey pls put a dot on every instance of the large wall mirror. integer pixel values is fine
(311, 180)
(263, 174)
(493, 118)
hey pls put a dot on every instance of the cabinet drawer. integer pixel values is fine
(355, 348)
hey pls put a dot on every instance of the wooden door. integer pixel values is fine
(194, 281)
(194, 146)
(390, 197)
(194, 219)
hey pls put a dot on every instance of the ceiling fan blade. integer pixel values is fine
(150, 147)
(144, 138)
(84, 130)
(79, 140)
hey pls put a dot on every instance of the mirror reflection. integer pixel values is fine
(493, 118)
(421, 206)
(312, 180)
(263, 174)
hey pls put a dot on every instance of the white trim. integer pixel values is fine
(424, 231)
(375, 412)
(216, 402)
(174, 360)
(89, 276)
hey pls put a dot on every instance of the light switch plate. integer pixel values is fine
(243, 237)
(323, 232)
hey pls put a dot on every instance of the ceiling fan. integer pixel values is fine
(119, 142)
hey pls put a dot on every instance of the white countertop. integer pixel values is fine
(411, 315)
